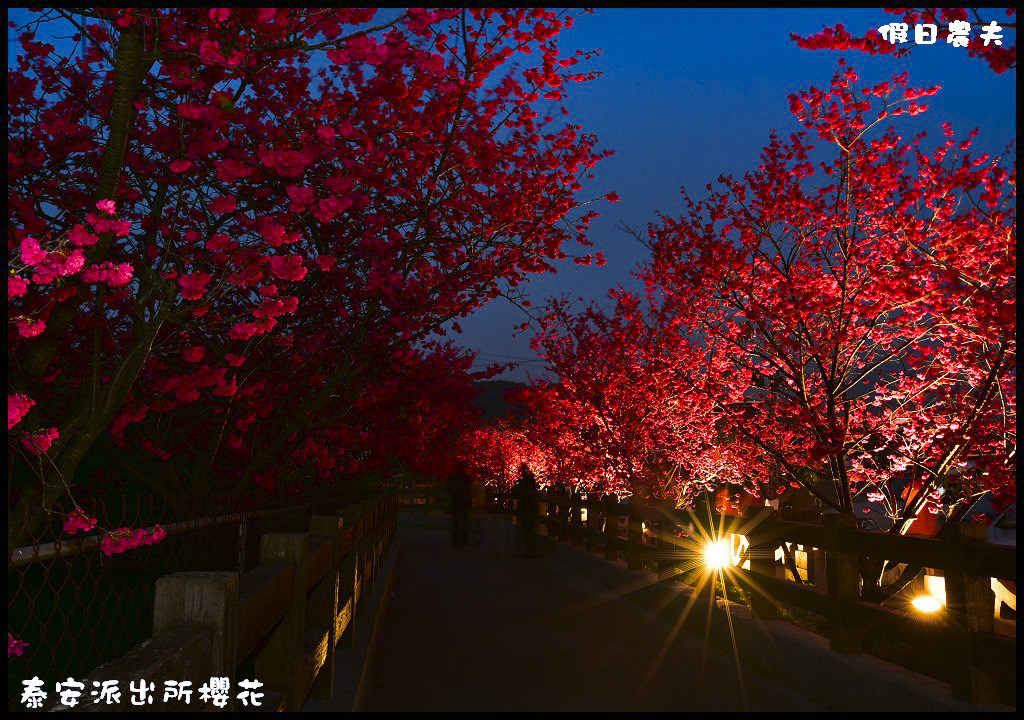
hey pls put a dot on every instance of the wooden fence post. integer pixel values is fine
(969, 603)
(203, 598)
(665, 543)
(762, 561)
(349, 597)
(611, 527)
(843, 583)
(593, 524)
(322, 606)
(369, 548)
(354, 519)
(547, 514)
(378, 534)
(577, 531)
(278, 662)
(563, 515)
(635, 538)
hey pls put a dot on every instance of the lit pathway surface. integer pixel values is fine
(469, 633)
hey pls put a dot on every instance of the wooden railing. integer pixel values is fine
(423, 500)
(667, 538)
(282, 621)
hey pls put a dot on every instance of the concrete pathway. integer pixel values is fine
(469, 633)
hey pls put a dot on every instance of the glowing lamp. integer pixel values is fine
(926, 604)
(717, 555)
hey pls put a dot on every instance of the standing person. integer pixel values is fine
(529, 506)
(460, 488)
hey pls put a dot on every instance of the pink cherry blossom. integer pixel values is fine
(40, 441)
(115, 275)
(222, 205)
(78, 520)
(193, 286)
(30, 327)
(17, 408)
(16, 287)
(287, 267)
(31, 252)
(14, 645)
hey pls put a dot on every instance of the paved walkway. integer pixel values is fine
(469, 633)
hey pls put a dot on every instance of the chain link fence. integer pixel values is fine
(78, 608)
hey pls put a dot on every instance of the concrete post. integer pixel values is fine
(279, 660)
(203, 598)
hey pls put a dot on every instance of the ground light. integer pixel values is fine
(926, 604)
(717, 555)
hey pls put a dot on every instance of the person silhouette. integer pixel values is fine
(460, 488)
(528, 507)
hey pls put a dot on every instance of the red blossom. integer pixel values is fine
(14, 645)
(124, 539)
(29, 327)
(193, 286)
(31, 252)
(287, 267)
(40, 441)
(16, 287)
(114, 275)
(78, 520)
(17, 408)
(222, 205)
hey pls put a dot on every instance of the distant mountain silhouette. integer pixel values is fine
(492, 398)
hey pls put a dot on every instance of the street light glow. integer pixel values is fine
(717, 555)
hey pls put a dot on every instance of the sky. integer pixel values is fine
(689, 94)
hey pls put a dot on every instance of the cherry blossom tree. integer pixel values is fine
(234, 232)
(845, 326)
(866, 307)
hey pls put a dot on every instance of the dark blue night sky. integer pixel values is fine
(690, 94)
